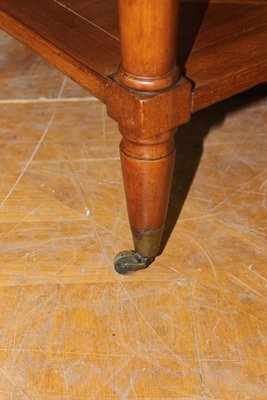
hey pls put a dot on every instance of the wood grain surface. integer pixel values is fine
(222, 50)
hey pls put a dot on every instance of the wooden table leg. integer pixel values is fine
(148, 33)
(148, 44)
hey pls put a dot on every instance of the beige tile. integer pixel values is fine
(238, 381)
(23, 75)
(225, 332)
(222, 258)
(99, 357)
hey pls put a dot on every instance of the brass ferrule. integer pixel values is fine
(147, 242)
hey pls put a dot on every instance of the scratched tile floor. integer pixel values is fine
(192, 325)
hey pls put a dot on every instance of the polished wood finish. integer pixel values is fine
(79, 72)
(147, 123)
(211, 51)
(148, 35)
(147, 177)
(66, 40)
(149, 114)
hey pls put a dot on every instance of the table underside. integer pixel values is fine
(221, 45)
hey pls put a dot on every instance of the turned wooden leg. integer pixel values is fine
(148, 33)
(143, 97)
(147, 174)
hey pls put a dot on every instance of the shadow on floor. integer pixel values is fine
(189, 143)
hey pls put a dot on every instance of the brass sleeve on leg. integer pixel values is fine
(147, 242)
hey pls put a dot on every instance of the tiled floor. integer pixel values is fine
(189, 327)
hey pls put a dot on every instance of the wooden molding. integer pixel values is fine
(149, 114)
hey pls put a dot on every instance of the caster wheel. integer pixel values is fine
(127, 262)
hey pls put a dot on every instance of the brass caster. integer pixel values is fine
(127, 262)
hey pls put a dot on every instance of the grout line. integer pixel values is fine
(77, 160)
(41, 100)
(24, 169)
